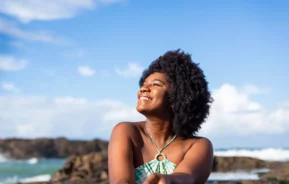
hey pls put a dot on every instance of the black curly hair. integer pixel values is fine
(189, 96)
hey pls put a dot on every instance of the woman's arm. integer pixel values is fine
(195, 168)
(120, 155)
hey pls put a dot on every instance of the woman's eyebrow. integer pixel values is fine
(154, 80)
(159, 80)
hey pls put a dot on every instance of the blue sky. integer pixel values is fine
(71, 68)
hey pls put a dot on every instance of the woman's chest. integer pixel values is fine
(146, 152)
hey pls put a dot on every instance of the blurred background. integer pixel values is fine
(71, 69)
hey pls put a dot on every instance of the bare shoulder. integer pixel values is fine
(122, 126)
(128, 129)
(200, 146)
(121, 165)
(203, 143)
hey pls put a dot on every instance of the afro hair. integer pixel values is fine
(189, 96)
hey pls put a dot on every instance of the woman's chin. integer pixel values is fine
(142, 110)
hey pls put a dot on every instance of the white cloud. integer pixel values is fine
(132, 70)
(11, 29)
(234, 113)
(86, 71)
(24, 129)
(9, 63)
(253, 90)
(61, 116)
(231, 100)
(69, 101)
(284, 105)
(9, 87)
(30, 10)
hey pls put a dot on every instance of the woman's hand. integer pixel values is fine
(158, 179)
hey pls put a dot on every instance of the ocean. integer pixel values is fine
(33, 170)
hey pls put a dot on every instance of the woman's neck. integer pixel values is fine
(160, 130)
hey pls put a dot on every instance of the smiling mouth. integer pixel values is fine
(144, 98)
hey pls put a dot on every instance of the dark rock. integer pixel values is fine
(224, 164)
(279, 172)
(49, 148)
(90, 168)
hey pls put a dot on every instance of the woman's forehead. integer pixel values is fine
(157, 75)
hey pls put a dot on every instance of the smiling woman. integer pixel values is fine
(164, 149)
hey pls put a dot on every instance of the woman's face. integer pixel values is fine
(153, 96)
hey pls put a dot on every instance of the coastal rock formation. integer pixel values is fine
(278, 171)
(90, 168)
(87, 161)
(225, 164)
(49, 148)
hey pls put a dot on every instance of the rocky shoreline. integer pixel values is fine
(87, 161)
(49, 148)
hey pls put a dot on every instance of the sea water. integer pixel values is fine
(33, 169)
(30, 170)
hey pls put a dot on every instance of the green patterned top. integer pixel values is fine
(155, 166)
(163, 166)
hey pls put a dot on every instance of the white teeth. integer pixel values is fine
(144, 98)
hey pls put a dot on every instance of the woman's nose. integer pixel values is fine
(144, 88)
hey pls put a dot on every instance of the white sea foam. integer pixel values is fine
(237, 175)
(39, 178)
(32, 161)
(3, 157)
(233, 176)
(268, 154)
(15, 179)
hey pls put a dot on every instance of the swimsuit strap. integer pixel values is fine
(159, 151)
